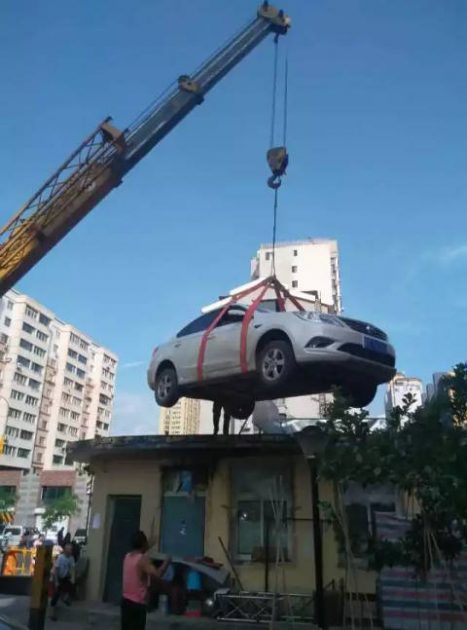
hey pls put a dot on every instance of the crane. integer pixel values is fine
(101, 161)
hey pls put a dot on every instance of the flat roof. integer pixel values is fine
(85, 451)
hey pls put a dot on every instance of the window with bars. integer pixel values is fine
(31, 312)
(20, 378)
(16, 395)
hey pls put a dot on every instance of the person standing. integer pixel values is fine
(137, 572)
(60, 536)
(63, 574)
(216, 414)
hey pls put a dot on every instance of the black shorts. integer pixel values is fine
(133, 615)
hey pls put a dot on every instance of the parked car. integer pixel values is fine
(287, 354)
(13, 535)
(81, 536)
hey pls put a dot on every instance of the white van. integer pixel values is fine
(12, 535)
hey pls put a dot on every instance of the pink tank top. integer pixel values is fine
(135, 584)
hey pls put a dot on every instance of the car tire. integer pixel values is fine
(166, 387)
(240, 409)
(361, 395)
(275, 363)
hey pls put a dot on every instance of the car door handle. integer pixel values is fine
(211, 336)
(258, 325)
(177, 345)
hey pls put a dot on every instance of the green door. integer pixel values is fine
(125, 512)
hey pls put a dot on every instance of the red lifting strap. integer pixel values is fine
(244, 334)
(282, 295)
(213, 324)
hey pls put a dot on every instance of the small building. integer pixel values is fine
(196, 495)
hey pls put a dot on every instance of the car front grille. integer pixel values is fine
(371, 355)
(366, 329)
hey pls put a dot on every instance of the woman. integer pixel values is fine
(137, 572)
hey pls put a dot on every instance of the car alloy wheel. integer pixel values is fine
(273, 364)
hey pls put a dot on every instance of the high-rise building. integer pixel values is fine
(310, 266)
(56, 386)
(399, 387)
(181, 419)
(438, 386)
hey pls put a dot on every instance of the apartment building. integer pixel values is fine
(57, 385)
(181, 419)
(310, 266)
(399, 387)
(438, 386)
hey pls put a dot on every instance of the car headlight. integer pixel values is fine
(324, 318)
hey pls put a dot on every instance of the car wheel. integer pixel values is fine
(361, 395)
(167, 387)
(240, 409)
(275, 363)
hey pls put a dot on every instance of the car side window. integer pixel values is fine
(199, 324)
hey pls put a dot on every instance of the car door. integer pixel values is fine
(222, 356)
(186, 347)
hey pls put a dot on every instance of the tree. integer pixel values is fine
(8, 498)
(60, 508)
(423, 452)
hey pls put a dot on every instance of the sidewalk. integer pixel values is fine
(84, 615)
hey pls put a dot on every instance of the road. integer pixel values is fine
(17, 608)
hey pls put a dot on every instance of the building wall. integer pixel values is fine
(181, 419)
(130, 477)
(56, 385)
(29, 487)
(310, 265)
(136, 477)
(399, 387)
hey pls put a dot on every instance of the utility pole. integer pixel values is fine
(312, 441)
(317, 545)
(40, 588)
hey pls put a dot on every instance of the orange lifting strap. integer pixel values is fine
(282, 295)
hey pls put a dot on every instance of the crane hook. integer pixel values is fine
(278, 160)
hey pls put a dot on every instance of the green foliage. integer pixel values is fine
(8, 499)
(422, 452)
(60, 508)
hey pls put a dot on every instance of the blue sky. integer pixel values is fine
(377, 139)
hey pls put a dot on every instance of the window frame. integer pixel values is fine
(205, 319)
(287, 467)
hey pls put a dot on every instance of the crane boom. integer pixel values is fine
(98, 165)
